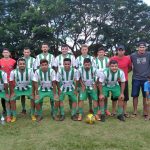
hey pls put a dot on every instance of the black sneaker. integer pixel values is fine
(103, 118)
(121, 117)
(74, 118)
(62, 118)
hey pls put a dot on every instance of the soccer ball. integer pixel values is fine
(90, 119)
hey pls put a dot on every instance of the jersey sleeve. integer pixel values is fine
(73, 61)
(122, 76)
(36, 63)
(77, 63)
(55, 64)
(53, 75)
(52, 61)
(35, 76)
(77, 75)
(4, 76)
(58, 76)
(102, 77)
(12, 76)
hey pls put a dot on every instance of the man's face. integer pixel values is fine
(44, 66)
(141, 49)
(87, 66)
(64, 50)
(45, 48)
(114, 67)
(22, 65)
(84, 50)
(6, 54)
(26, 53)
(101, 53)
(67, 65)
(121, 52)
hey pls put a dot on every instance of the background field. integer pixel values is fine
(134, 134)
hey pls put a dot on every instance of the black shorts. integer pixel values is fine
(126, 92)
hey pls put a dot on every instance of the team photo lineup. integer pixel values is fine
(75, 80)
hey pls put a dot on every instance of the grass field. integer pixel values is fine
(134, 134)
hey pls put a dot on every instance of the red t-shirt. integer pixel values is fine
(7, 65)
(124, 63)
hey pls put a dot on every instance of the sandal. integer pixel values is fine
(113, 114)
(134, 115)
(126, 115)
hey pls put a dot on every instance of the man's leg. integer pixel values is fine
(23, 104)
(33, 110)
(62, 112)
(13, 109)
(114, 104)
(106, 107)
(8, 118)
(3, 105)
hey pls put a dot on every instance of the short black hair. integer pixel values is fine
(44, 44)
(6, 49)
(87, 60)
(101, 49)
(26, 48)
(113, 62)
(64, 45)
(141, 44)
(67, 59)
(21, 59)
(43, 61)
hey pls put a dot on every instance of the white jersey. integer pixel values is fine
(80, 60)
(110, 79)
(22, 79)
(30, 62)
(88, 77)
(45, 79)
(60, 58)
(48, 57)
(3, 80)
(67, 78)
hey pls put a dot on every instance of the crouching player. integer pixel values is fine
(87, 76)
(4, 93)
(22, 78)
(147, 90)
(44, 84)
(108, 82)
(67, 85)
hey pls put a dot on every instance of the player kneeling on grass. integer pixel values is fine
(44, 84)
(22, 78)
(147, 90)
(4, 93)
(87, 76)
(67, 79)
(108, 82)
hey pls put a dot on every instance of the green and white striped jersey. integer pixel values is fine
(22, 79)
(44, 79)
(80, 59)
(29, 62)
(67, 78)
(3, 80)
(60, 58)
(110, 79)
(88, 77)
(48, 57)
(101, 63)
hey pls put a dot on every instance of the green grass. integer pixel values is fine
(134, 134)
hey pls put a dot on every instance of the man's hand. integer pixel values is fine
(37, 97)
(12, 95)
(121, 97)
(101, 97)
(83, 88)
(7, 96)
(95, 87)
(56, 96)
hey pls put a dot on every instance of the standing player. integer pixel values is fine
(22, 78)
(79, 64)
(44, 83)
(7, 64)
(66, 77)
(87, 76)
(124, 63)
(141, 69)
(101, 63)
(109, 83)
(29, 64)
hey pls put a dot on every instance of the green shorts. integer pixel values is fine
(115, 91)
(19, 93)
(88, 93)
(2, 95)
(70, 94)
(44, 94)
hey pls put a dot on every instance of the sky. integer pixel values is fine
(147, 1)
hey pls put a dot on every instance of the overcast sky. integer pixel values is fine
(147, 1)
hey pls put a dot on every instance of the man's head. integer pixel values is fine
(84, 49)
(44, 65)
(101, 52)
(44, 47)
(67, 63)
(121, 50)
(87, 63)
(141, 47)
(113, 65)
(64, 49)
(6, 53)
(21, 63)
(26, 52)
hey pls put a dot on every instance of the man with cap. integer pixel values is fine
(7, 64)
(141, 69)
(124, 63)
